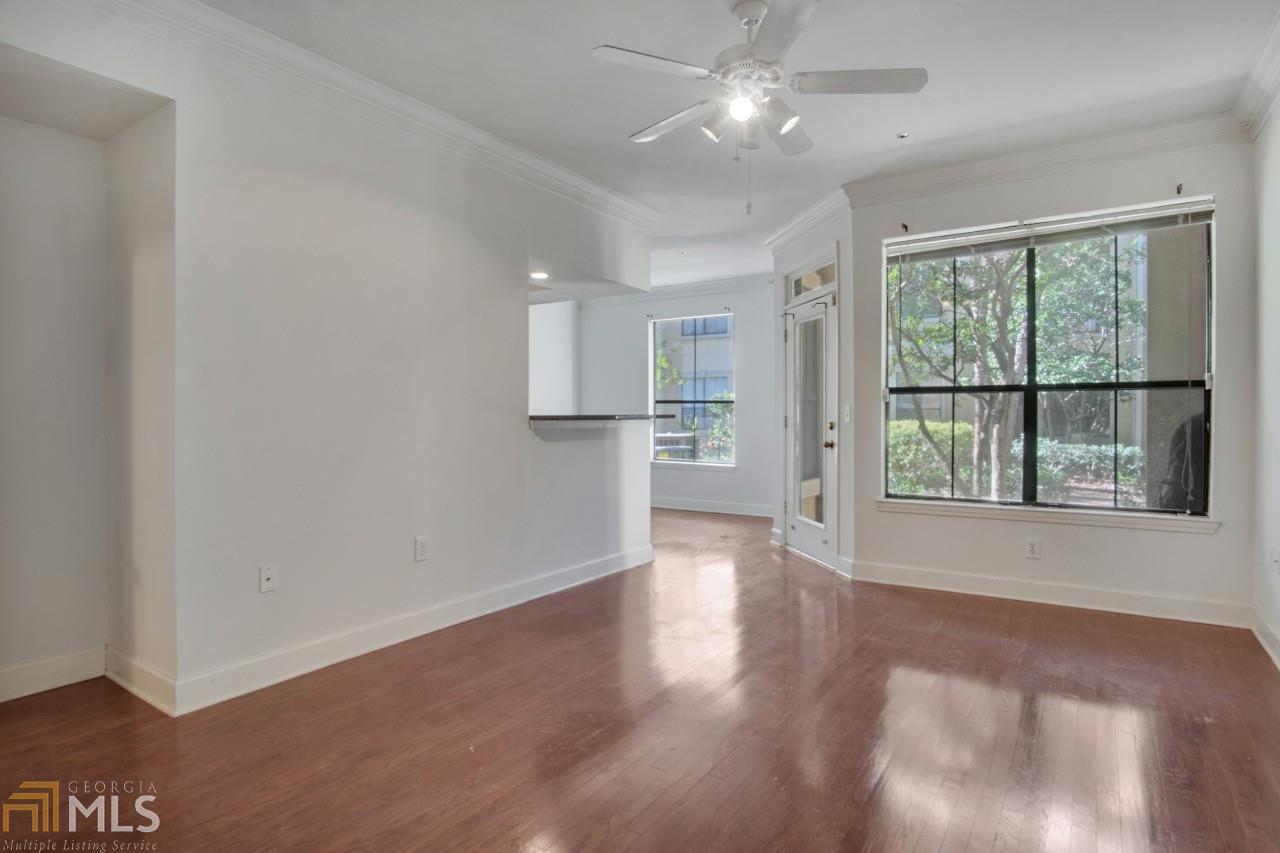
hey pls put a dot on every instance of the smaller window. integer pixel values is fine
(693, 383)
(812, 280)
(699, 326)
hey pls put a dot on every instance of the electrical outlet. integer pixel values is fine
(420, 549)
(1033, 547)
(266, 578)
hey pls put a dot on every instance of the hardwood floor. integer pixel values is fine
(726, 697)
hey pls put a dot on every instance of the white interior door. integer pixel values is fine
(812, 352)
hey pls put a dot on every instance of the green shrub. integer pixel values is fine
(916, 469)
(914, 466)
(1058, 465)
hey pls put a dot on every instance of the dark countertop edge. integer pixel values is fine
(597, 417)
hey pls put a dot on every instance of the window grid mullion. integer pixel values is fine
(1115, 395)
(955, 365)
(1030, 397)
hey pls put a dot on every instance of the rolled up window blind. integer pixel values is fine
(1039, 232)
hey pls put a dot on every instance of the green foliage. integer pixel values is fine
(962, 320)
(665, 374)
(1076, 309)
(1062, 469)
(915, 467)
(718, 446)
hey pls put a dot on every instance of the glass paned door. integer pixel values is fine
(811, 429)
(809, 412)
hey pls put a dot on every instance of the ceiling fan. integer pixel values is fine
(752, 77)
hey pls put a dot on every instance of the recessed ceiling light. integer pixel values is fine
(539, 276)
(903, 134)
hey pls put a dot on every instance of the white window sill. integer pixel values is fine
(692, 466)
(1054, 515)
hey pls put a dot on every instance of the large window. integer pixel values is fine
(693, 381)
(1061, 363)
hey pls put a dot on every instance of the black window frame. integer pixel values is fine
(1031, 389)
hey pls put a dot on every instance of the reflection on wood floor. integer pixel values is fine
(726, 697)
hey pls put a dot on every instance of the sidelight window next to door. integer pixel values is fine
(692, 374)
(1064, 362)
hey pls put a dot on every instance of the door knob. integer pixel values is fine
(828, 444)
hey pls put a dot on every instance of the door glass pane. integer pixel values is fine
(810, 402)
(812, 280)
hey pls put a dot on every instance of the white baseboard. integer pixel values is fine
(227, 682)
(1069, 595)
(727, 507)
(775, 537)
(808, 558)
(844, 566)
(23, 679)
(149, 684)
(1268, 637)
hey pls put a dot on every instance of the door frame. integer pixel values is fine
(831, 514)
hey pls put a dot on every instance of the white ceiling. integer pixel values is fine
(1004, 75)
(42, 91)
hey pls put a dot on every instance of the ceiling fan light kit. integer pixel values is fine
(781, 117)
(714, 127)
(752, 74)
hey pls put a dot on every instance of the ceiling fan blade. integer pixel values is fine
(869, 81)
(782, 24)
(670, 123)
(794, 141)
(649, 62)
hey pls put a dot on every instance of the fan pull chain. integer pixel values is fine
(748, 183)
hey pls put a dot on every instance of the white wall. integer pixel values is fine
(53, 404)
(553, 358)
(1266, 579)
(142, 630)
(614, 377)
(350, 328)
(1148, 570)
(1176, 574)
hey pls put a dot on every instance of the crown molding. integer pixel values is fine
(1217, 129)
(741, 284)
(1258, 95)
(287, 63)
(816, 214)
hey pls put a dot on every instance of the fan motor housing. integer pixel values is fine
(738, 69)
